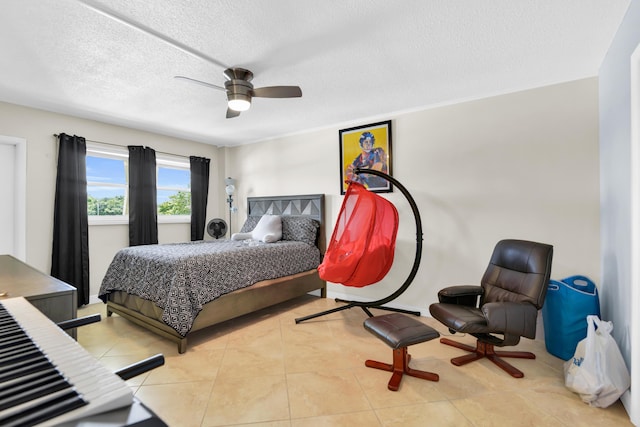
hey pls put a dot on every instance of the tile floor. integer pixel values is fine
(265, 370)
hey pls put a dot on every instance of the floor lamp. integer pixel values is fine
(230, 188)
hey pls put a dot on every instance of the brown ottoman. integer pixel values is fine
(399, 331)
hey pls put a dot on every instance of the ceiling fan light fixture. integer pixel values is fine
(239, 102)
(240, 90)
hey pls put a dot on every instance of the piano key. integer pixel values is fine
(18, 361)
(8, 331)
(17, 358)
(17, 350)
(101, 389)
(24, 382)
(36, 390)
(10, 342)
(18, 346)
(45, 409)
(41, 364)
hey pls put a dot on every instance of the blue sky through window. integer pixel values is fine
(174, 178)
(100, 169)
(108, 171)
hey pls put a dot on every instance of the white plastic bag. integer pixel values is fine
(597, 371)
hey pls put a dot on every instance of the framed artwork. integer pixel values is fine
(366, 147)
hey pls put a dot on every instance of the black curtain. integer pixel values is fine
(70, 254)
(199, 195)
(143, 215)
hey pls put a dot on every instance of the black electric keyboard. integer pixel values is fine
(46, 377)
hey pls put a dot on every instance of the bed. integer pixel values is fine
(179, 307)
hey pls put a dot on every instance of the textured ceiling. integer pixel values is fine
(355, 60)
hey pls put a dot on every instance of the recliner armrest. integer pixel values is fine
(466, 295)
(511, 318)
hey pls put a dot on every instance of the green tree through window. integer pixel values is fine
(178, 204)
(105, 205)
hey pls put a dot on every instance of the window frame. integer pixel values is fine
(122, 153)
(172, 162)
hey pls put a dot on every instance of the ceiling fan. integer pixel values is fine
(240, 90)
(238, 85)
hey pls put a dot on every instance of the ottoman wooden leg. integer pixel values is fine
(400, 366)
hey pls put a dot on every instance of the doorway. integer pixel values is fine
(13, 180)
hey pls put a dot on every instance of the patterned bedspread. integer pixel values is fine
(180, 278)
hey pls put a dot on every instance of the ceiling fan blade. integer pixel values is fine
(189, 79)
(278, 92)
(232, 113)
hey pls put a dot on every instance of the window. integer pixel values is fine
(108, 188)
(174, 189)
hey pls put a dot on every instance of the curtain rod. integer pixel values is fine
(124, 146)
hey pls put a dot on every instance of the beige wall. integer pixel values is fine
(38, 127)
(522, 165)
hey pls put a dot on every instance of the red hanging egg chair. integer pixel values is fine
(362, 245)
(361, 248)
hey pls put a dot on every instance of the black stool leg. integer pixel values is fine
(401, 358)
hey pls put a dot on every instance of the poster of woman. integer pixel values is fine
(366, 147)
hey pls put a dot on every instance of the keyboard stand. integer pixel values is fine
(137, 415)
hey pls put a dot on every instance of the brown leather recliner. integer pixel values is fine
(506, 303)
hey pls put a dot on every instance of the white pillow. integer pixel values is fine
(268, 230)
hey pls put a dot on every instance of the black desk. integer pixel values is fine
(53, 297)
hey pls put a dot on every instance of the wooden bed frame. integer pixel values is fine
(243, 301)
